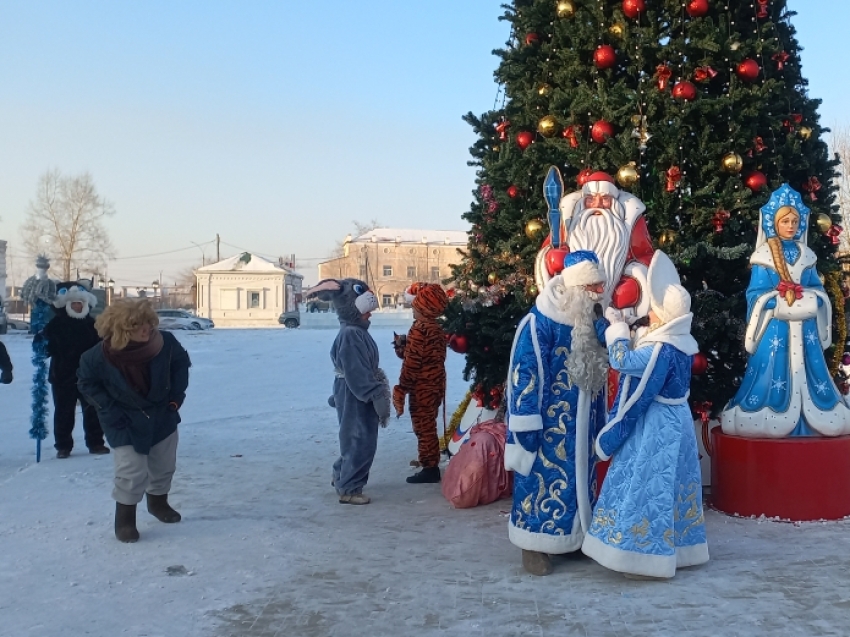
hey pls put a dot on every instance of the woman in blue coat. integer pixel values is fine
(649, 519)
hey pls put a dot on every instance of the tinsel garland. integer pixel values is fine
(38, 320)
(457, 416)
(832, 283)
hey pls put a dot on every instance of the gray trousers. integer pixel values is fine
(136, 473)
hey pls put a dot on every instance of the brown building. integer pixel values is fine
(390, 259)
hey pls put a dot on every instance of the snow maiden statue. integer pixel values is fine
(787, 389)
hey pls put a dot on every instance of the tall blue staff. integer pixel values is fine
(39, 292)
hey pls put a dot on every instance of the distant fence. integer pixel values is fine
(398, 320)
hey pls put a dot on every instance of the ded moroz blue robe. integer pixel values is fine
(551, 427)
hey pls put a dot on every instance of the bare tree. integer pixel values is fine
(360, 228)
(839, 143)
(65, 222)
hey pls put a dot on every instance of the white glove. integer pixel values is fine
(614, 315)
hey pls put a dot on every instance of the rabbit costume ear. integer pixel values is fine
(326, 290)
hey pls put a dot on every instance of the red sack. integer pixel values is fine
(476, 473)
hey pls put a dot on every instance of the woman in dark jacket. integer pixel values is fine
(136, 379)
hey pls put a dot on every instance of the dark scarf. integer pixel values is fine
(133, 362)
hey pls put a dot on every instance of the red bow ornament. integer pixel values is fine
(704, 73)
(780, 58)
(674, 176)
(790, 286)
(662, 76)
(834, 233)
(719, 220)
(571, 133)
(811, 187)
(759, 144)
(502, 128)
(703, 410)
(762, 10)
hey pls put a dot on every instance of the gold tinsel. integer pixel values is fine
(455, 421)
(833, 289)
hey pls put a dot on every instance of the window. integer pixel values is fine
(411, 272)
(253, 299)
(388, 270)
(435, 273)
(386, 300)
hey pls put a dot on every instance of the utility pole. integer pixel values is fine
(217, 248)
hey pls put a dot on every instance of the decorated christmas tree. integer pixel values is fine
(697, 107)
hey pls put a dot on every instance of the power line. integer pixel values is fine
(156, 254)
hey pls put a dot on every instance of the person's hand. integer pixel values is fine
(398, 400)
(332, 401)
(382, 408)
(172, 406)
(6, 377)
(614, 315)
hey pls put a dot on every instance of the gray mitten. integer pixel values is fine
(331, 401)
(381, 403)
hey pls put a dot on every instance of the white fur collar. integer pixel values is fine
(762, 256)
(676, 333)
(547, 302)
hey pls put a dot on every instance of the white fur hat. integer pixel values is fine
(667, 298)
(582, 268)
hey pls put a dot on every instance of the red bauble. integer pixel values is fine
(555, 260)
(513, 191)
(601, 131)
(755, 180)
(605, 56)
(524, 139)
(633, 8)
(748, 70)
(699, 364)
(532, 38)
(697, 8)
(685, 91)
(583, 176)
(458, 343)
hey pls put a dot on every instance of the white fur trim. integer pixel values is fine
(629, 561)
(676, 333)
(546, 542)
(623, 409)
(582, 273)
(616, 332)
(531, 422)
(519, 459)
(691, 555)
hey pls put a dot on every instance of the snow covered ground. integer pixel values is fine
(265, 549)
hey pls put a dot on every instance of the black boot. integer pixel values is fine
(125, 522)
(428, 475)
(159, 508)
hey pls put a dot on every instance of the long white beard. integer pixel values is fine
(587, 362)
(605, 234)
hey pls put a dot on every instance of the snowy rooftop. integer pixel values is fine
(246, 262)
(407, 235)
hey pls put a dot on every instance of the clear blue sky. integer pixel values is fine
(274, 124)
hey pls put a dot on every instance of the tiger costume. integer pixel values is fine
(423, 376)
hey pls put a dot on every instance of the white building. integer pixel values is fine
(246, 290)
(2, 271)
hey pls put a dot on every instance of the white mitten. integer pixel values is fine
(614, 315)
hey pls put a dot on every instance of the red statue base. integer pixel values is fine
(797, 479)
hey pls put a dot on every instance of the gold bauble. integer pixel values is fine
(492, 278)
(617, 30)
(533, 229)
(547, 126)
(824, 222)
(637, 120)
(507, 254)
(805, 132)
(732, 163)
(666, 237)
(544, 89)
(566, 8)
(628, 175)
(496, 149)
(532, 290)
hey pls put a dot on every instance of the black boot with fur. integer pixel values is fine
(159, 508)
(125, 522)
(428, 475)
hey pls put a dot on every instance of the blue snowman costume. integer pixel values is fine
(552, 421)
(649, 518)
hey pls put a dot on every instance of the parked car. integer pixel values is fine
(184, 318)
(290, 319)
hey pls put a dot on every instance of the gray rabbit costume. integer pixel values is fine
(361, 392)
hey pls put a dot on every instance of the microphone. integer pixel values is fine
(597, 310)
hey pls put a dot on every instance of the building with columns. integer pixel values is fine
(390, 259)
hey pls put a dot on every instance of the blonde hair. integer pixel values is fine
(121, 318)
(775, 245)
